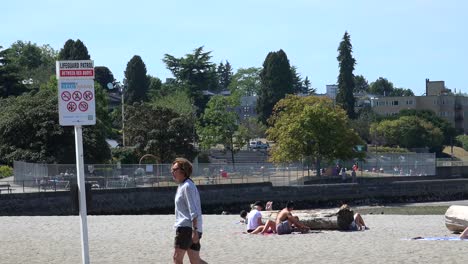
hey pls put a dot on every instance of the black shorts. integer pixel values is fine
(183, 239)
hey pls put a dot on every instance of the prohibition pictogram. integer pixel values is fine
(77, 96)
(83, 106)
(71, 106)
(88, 95)
(66, 96)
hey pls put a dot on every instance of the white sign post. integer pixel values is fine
(77, 108)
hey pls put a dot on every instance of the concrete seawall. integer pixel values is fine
(233, 198)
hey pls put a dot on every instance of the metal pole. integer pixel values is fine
(123, 119)
(82, 193)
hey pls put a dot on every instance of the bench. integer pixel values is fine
(6, 187)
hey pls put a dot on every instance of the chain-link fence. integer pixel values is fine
(30, 177)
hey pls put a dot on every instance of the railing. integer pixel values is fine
(30, 177)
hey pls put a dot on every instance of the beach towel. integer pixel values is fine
(439, 238)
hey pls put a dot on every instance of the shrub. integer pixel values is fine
(6, 171)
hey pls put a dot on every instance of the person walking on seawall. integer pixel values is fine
(189, 222)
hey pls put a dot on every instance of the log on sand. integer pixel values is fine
(315, 219)
(456, 218)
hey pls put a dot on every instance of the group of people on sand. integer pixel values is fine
(189, 220)
(286, 222)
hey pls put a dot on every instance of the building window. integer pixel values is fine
(394, 102)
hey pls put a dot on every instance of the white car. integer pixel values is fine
(258, 145)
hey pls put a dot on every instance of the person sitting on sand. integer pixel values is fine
(243, 216)
(254, 220)
(285, 221)
(347, 220)
(464, 234)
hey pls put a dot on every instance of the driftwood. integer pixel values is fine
(315, 219)
(456, 218)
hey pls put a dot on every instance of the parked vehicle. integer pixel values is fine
(258, 145)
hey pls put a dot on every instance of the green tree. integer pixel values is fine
(361, 85)
(408, 132)
(194, 73)
(178, 101)
(311, 126)
(159, 131)
(74, 50)
(246, 82)
(224, 75)
(447, 129)
(401, 92)
(35, 64)
(220, 126)
(276, 82)
(155, 87)
(255, 129)
(10, 80)
(345, 96)
(31, 132)
(104, 76)
(297, 80)
(136, 81)
(381, 86)
(307, 87)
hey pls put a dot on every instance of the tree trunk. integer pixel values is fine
(456, 218)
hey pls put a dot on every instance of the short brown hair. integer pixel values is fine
(185, 165)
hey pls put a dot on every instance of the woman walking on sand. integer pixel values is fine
(189, 222)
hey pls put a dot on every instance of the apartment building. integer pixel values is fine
(449, 106)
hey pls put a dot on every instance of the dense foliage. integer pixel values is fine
(30, 132)
(311, 126)
(159, 131)
(220, 126)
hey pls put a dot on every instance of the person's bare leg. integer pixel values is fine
(258, 229)
(178, 256)
(269, 225)
(359, 221)
(464, 234)
(194, 257)
(295, 220)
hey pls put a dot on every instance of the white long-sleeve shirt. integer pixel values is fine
(188, 206)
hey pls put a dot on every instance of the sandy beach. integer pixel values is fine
(149, 239)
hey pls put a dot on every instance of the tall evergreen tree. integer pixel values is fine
(224, 74)
(297, 80)
(307, 87)
(136, 81)
(345, 96)
(194, 73)
(277, 81)
(74, 50)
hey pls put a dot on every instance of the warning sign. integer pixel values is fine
(76, 102)
(83, 106)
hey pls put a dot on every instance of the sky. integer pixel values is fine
(404, 41)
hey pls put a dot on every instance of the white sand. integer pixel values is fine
(149, 239)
